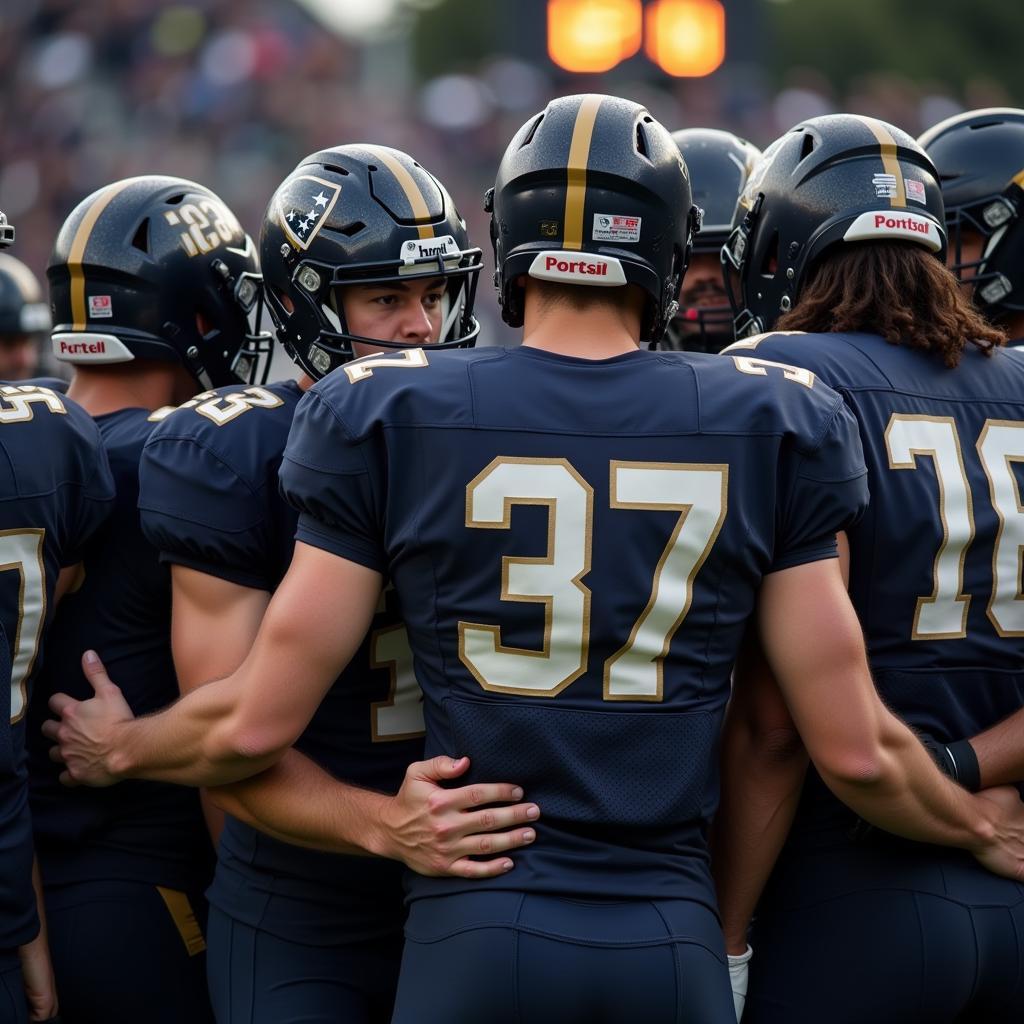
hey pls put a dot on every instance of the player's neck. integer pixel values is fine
(101, 390)
(1014, 326)
(597, 333)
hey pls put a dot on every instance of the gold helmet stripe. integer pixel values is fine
(890, 163)
(1018, 179)
(77, 253)
(420, 210)
(579, 155)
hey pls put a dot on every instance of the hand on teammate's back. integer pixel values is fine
(1004, 855)
(437, 831)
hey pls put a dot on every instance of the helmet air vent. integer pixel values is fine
(175, 199)
(335, 168)
(533, 131)
(352, 229)
(140, 240)
(807, 146)
(641, 141)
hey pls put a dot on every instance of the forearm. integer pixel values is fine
(195, 742)
(1000, 752)
(761, 780)
(901, 791)
(299, 802)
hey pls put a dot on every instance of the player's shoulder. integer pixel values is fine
(238, 425)
(750, 394)
(410, 386)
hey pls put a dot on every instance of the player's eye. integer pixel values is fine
(432, 299)
(385, 300)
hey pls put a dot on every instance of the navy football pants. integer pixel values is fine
(509, 958)
(259, 978)
(125, 952)
(887, 932)
(12, 993)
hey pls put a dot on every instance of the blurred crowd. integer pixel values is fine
(232, 93)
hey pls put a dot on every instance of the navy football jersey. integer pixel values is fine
(136, 831)
(577, 546)
(55, 492)
(935, 570)
(210, 501)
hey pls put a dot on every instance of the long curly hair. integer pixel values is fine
(894, 289)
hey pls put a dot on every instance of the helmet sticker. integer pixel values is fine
(303, 205)
(100, 307)
(915, 190)
(414, 250)
(885, 186)
(76, 347)
(612, 227)
(876, 224)
(577, 268)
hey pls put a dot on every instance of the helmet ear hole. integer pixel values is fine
(770, 261)
(285, 300)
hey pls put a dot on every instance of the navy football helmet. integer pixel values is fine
(159, 268)
(593, 191)
(22, 309)
(361, 214)
(980, 159)
(719, 164)
(829, 181)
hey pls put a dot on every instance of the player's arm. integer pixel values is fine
(430, 828)
(999, 751)
(763, 765)
(865, 754)
(36, 966)
(236, 726)
(214, 623)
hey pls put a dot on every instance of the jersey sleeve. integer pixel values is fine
(202, 514)
(823, 490)
(335, 481)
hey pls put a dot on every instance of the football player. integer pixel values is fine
(719, 164)
(840, 233)
(362, 250)
(24, 320)
(57, 491)
(577, 531)
(152, 283)
(980, 159)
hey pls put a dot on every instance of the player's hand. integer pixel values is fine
(86, 731)
(435, 831)
(1004, 854)
(739, 969)
(37, 978)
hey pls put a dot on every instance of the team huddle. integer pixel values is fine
(668, 666)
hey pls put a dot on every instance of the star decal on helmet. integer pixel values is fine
(304, 206)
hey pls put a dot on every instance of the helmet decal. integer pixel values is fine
(894, 190)
(304, 206)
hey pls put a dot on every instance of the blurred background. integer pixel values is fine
(232, 93)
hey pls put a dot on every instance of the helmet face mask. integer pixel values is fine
(159, 268)
(380, 219)
(830, 181)
(593, 191)
(980, 158)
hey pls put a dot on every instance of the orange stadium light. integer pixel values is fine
(593, 35)
(685, 37)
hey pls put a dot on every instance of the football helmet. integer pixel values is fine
(22, 309)
(719, 164)
(980, 159)
(6, 232)
(361, 214)
(829, 181)
(159, 268)
(593, 191)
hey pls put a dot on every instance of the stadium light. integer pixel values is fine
(685, 37)
(593, 35)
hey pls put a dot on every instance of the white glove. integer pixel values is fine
(739, 966)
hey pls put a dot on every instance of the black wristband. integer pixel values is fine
(965, 764)
(940, 755)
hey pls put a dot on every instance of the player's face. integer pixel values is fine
(19, 357)
(972, 245)
(702, 286)
(405, 312)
